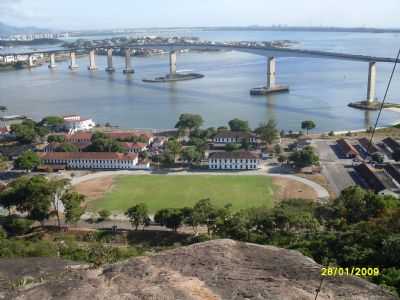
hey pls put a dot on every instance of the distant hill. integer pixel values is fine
(9, 30)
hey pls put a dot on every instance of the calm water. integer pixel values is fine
(320, 89)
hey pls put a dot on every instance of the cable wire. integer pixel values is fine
(383, 102)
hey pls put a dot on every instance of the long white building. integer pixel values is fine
(237, 160)
(94, 160)
(232, 137)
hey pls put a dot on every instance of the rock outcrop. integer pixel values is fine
(221, 269)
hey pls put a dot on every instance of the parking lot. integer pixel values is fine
(337, 170)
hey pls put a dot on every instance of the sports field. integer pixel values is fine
(160, 191)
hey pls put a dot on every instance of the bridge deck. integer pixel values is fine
(257, 50)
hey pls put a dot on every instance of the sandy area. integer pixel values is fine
(293, 189)
(96, 188)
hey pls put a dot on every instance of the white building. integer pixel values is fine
(94, 160)
(231, 137)
(134, 147)
(73, 124)
(237, 160)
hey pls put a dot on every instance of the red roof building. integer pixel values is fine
(92, 160)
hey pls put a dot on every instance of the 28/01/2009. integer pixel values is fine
(352, 271)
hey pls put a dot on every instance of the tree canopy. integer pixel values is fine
(304, 158)
(308, 125)
(268, 132)
(189, 122)
(138, 215)
(101, 143)
(239, 125)
(28, 131)
(27, 161)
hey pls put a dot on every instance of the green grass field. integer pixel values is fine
(159, 192)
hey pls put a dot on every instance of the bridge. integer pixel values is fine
(269, 52)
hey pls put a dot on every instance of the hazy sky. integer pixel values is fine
(100, 14)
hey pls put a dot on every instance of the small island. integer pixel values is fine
(375, 105)
(175, 77)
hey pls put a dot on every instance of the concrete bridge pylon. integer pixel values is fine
(172, 63)
(92, 60)
(110, 66)
(128, 62)
(271, 87)
(52, 64)
(73, 65)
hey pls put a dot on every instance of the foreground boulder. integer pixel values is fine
(222, 269)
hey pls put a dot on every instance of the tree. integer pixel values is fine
(138, 215)
(56, 139)
(27, 161)
(101, 143)
(232, 147)
(30, 195)
(205, 213)
(28, 131)
(171, 218)
(173, 147)
(192, 155)
(67, 147)
(239, 125)
(73, 206)
(304, 158)
(277, 149)
(23, 133)
(104, 214)
(52, 123)
(58, 189)
(268, 132)
(189, 122)
(282, 158)
(308, 125)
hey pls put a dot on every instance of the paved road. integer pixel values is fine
(322, 193)
(334, 169)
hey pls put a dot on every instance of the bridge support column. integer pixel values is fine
(371, 103)
(371, 92)
(172, 63)
(92, 60)
(128, 62)
(52, 64)
(30, 61)
(73, 65)
(110, 67)
(271, 70)
(271, 86)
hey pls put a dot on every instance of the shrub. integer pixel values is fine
(3, 233)
(17, 226)
(104, 214)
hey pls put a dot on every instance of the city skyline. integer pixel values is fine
(75, 14)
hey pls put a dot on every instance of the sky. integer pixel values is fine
(104, 14)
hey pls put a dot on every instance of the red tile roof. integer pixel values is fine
(233, 155)
(127, 134)
(87, 155)
(347, 148)
(84, 135)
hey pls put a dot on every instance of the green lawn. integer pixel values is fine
(159, 191)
